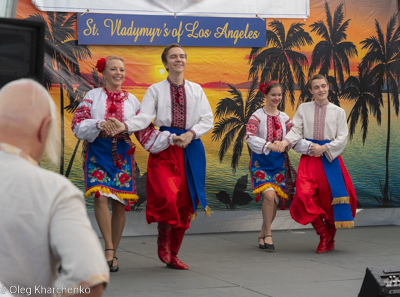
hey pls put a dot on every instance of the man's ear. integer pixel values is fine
(44, 129)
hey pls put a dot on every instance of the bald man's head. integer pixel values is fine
(25, 106)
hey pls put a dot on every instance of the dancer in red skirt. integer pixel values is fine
(175, 176)
(325, 196)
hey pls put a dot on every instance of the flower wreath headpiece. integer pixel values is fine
(264, 87)
(101, 64)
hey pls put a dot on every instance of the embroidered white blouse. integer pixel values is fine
(185, 107)
(320, 122)
(94, 108)
(263, 128)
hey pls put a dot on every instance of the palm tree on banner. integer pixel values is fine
(61, 59)
(362, 90)
(77, 97)
(332, 50)
(279, 61)
(383, 57)
(232, 116)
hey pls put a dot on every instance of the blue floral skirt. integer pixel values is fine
(268, 171)
(103, 177)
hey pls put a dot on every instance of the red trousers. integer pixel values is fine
(168, 196)
(313, 196)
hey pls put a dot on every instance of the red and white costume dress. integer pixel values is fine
(313, 198)
(263, 129)
(94, 108)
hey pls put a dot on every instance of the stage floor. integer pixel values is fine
(230, 264)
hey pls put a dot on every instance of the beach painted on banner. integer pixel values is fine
(114, 29)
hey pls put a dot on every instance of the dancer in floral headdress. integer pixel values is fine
(270, 168)
(109, 162)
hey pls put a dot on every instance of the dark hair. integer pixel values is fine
(166, 50)
(316, 76)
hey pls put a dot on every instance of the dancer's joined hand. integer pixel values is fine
(108, 126)
(276, 147)
(317, 150)
(120, 127)
(176, 139)
(186, 138)
(280, 146)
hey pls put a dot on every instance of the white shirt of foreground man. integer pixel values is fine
(43, 219)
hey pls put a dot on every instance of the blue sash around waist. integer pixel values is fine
(195, 165)
(341, 200)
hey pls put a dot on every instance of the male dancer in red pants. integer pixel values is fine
(325, 196)
(175, 176)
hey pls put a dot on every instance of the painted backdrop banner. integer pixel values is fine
(343, 40)
(214, 8)
(122, 29)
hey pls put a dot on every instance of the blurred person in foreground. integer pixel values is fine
(43, 219)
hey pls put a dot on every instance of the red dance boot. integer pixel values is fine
(164, 242)
(324, 236)
(332, 233)
(176, 241)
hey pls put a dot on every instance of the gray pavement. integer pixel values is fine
(231, 264)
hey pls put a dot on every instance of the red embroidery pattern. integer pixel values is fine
(274, 128)
(319, 121)
(82, 113)
(328, 151)
(118, 113)
(288, 125)
(178, 105)
(145, 135)
(88, 101)
(252, 126)
(151, 146)
(194, 133)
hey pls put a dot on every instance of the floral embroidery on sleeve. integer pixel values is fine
(252, 126)
(82, 113)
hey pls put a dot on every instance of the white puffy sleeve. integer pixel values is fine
(150, 138)
(154, 140)
(256, 143)
(147, 112)
(83, 126)
(296, 132)
(337, 145)
(303, 147)
(206, 120)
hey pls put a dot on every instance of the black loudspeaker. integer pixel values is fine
(381, 282)
(21, 50)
